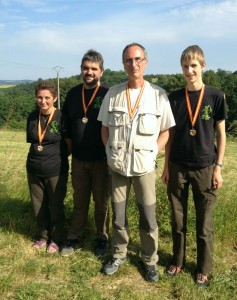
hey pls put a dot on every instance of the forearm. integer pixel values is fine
(162, 139)
(104, 134)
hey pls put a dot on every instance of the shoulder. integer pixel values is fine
(75, 89)
(212, 91)
(177, 93)
(118, 87)
(33, 115)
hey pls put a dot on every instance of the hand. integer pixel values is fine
(217, 179)
(165, 175)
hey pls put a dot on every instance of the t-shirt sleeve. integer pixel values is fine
(104, 111)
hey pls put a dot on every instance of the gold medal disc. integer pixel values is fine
(192, 132)
(40, 148)
(84, 120)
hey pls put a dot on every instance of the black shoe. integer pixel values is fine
(101, 247)
(202, 280)
(70, 247)
(112, 267)
(151, 273)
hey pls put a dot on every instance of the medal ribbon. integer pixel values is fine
(193, 119)
(85, 108)
(130, 110)
(40, 133)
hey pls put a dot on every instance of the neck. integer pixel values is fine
(48, 111)
(135, 83)
(194, 86)
(90, 87)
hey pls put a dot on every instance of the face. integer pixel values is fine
(91, 73)
(134, 62)
(192, 70)
(45, 101)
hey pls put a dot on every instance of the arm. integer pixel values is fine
(69, 146)
(221, 143)
(104, 134)
(165, 174)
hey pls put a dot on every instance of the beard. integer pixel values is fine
(90, 83)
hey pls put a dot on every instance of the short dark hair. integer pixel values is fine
(46, 85)
(94, 56)
(131, 45)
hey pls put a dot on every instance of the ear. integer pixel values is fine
(55, 99)
(203, 66)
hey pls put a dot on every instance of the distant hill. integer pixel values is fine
(14, 82)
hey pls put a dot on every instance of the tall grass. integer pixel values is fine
(26, 275)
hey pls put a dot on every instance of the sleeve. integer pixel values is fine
(64, 126)
(220, 112)
(66, 122)
(104, 110)
(167, 119)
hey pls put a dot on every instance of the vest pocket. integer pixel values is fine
(147, 124)
(143, 160)
(116, 155)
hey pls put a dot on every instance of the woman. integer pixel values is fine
(47, 167)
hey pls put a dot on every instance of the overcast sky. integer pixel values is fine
(37, 35)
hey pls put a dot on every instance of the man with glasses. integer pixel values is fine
(136, 117)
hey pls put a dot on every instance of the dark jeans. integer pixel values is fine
(90, 178)
(200, 179)
(47, 196)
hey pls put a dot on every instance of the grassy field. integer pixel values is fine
(5, 86)
(28, 275)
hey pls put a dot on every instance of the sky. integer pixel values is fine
(38, 35)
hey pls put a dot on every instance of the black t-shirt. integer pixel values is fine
(198, 150)
(86, 137)
(52, 160)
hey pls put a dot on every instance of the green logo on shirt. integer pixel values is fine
(54, 127)
(98, 102)
(206, 112)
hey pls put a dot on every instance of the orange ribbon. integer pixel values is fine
(193, 119)
(130, 110)
(40, 133)
(85, 108)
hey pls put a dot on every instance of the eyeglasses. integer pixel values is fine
(137, 60)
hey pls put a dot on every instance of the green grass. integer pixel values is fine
(5, 86)
(29, 275)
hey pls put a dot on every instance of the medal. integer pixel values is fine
(40, 148)
(84, 120)
(193, 118)
(85, 108)
(192, 132)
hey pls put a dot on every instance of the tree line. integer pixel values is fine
(17, 102)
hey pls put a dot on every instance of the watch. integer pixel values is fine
(217, 163)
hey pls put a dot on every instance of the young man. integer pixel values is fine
(192, 158)
(89, 166)
(136, 117)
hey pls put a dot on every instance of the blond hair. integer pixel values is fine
(193, 52)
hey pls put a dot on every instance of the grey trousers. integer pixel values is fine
(145, 193)
(200, 179)
(90, 178)
(47, 196)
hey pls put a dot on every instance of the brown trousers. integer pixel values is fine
(200, 179)
(90, 178)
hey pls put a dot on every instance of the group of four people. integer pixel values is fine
(114, 137)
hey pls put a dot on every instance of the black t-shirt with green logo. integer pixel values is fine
(52, 160)
(198, 150)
